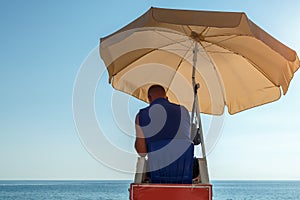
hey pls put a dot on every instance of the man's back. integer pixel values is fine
(163, 120)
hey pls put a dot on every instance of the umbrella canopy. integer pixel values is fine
(237, 64)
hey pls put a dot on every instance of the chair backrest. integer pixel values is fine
(171, 161)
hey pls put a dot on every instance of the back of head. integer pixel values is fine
(156, 91)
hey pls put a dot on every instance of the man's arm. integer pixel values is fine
(140, 142)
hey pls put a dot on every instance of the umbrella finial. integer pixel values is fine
(196, 36)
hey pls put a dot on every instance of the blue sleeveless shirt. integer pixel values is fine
(163, 120)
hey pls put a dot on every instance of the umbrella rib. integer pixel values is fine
(180, 42)
(239, 54)
(191, 30)
(147, 53)
(182, 58)
(233, 52)
(206, 28)
(211, 44)
(186, 31)
(133, 61)
(219, 79)
(161, 48)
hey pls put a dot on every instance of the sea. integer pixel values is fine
(118, 190)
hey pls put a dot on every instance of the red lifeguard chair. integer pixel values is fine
(199, 189)
(166, 186)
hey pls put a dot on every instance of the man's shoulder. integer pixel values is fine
(143, 110)
(179, 106)
(164, 104)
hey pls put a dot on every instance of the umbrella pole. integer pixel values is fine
(203, 175)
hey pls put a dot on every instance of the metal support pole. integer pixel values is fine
(196, 111)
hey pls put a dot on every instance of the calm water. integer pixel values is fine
(118, 190)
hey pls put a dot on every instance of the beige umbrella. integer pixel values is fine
(238, 64)
(235, 63)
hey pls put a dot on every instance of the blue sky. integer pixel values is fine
(43, 45)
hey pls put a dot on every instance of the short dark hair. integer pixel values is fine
(156, 88)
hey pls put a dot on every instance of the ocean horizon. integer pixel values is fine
(118, 189)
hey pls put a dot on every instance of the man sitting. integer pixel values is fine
(163, 132)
